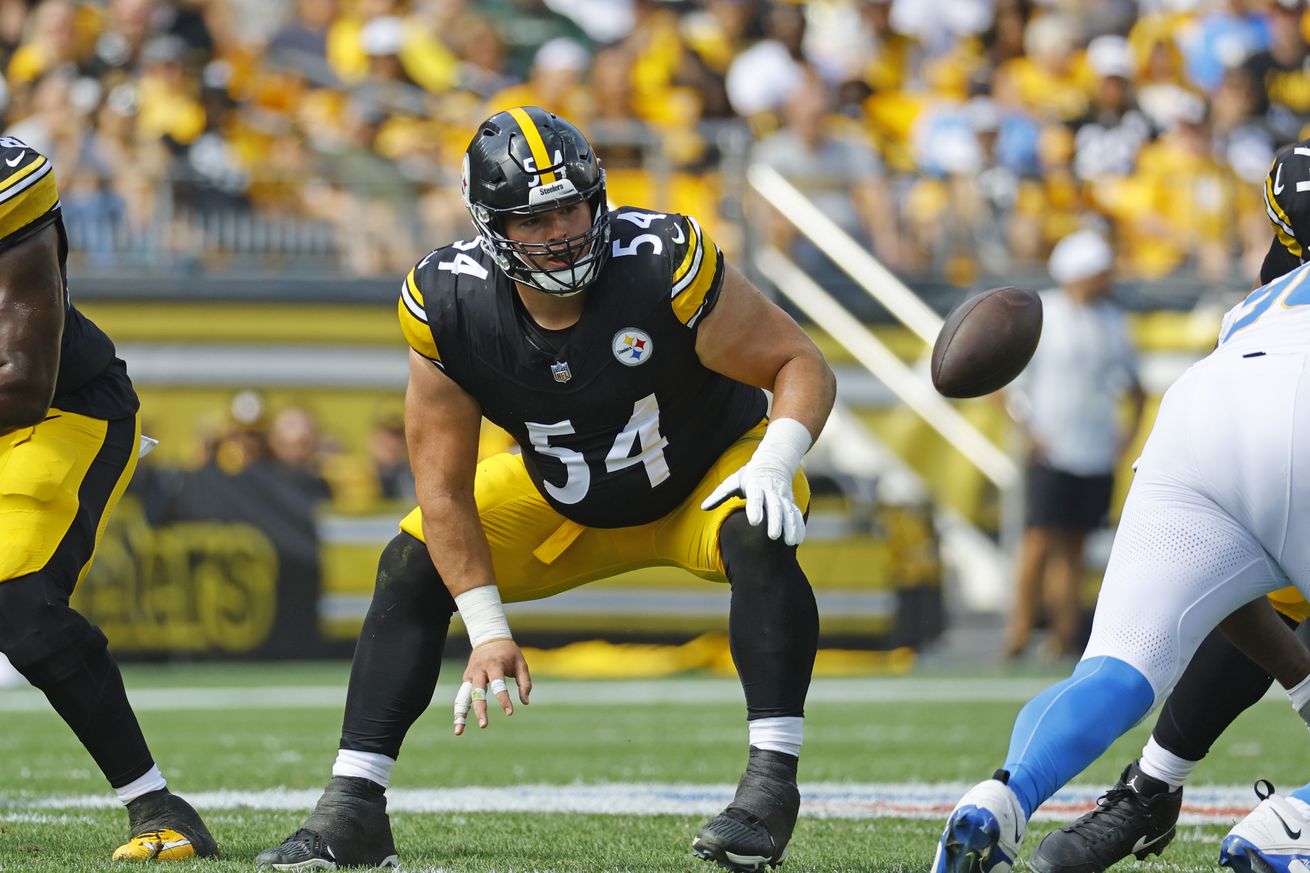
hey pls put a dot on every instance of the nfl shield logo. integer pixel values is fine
(560, 370)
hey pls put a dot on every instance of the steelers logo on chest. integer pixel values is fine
(632, 346)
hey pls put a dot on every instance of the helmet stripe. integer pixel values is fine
(535, 143)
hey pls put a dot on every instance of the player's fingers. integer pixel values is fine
(463, 700)
(754, 503)
(523, 680)
(727, 489)
(480, 704)
(773, 511)
(499, 690)
(795, 525)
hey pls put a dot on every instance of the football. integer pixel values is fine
(986, 341)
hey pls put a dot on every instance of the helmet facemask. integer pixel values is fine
(585, 253)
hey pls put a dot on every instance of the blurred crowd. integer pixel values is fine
(956, 136)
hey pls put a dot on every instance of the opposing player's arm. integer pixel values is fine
(31, 326)
(749, 338)
(1263, 637)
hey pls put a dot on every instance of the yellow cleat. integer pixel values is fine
(162, 845)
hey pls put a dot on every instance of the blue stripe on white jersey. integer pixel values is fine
(1259, 319)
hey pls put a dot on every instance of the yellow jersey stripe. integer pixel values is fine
(535, 142)
(690, 260)
(22, 174)
(410, 293)
(687, 304)
(417, 333)
(39, 198)
(1282, 224)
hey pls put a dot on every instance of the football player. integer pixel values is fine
(1138, 815)
(627, 359)
(1211, 526)
(69, 435)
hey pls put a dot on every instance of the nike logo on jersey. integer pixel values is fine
(1294, 834)
(1278, 180)
(1143, 842)
(17, 160)
(678, 236)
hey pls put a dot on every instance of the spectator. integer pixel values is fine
(1108, 138)
(764, 77)
(1066, 405)
(555, 83)
(843, 178)
(390, 458)
(296, 452)
(1280, 72)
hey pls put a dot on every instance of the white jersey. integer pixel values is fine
(1274, 316)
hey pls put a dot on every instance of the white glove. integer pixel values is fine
(765, 481)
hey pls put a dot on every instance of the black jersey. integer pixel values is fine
(617, 418)
(1287, 203)
(91, 380)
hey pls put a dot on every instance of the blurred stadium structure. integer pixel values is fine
(245, 182)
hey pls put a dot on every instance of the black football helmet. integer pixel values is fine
(524, 161)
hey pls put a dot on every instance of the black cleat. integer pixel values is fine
(348, 828)
(164, 827)
(753, 832)
(1136, 817)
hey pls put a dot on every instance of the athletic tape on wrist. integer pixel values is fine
(483, 616)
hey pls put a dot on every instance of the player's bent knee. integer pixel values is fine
(44, 638)
(406, 576)
(748, 553)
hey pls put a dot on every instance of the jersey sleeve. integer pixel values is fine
(414, 319)
(1287, 199)
(29, 199)
(698, 270)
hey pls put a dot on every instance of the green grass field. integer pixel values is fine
(246, 729)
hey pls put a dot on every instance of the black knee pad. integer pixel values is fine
(44, 638)
(408, 580)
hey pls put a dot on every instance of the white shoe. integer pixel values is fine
(984, 830)
(1274, 838)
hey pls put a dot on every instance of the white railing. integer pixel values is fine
(980, 564)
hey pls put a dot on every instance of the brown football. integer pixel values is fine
(986, 341)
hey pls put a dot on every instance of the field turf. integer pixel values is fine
(230, 734)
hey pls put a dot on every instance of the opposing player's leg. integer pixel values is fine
(392, 679)
(1178, 567)
(1138, 815)
(773, 626)
(72, 469)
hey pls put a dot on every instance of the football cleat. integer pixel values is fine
(348, 828)
(984, 830)
(753, 832)
(164, 827)
(1136, 817)
(1273, 838)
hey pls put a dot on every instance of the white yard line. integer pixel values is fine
(577, 692)
(854, 800)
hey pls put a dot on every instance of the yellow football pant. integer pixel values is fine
(536, 552)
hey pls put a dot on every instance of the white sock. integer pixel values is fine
(782, 734)
(365, 765)
(1300, 697)
(153, 780)
(1160, 763)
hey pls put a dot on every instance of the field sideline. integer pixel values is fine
(593, 776)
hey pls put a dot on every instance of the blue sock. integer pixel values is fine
(1302, 793)
(1069, 725)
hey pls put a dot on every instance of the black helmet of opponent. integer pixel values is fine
(527, 160)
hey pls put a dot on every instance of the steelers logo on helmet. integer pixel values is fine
(526, 161)
(632, 346)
